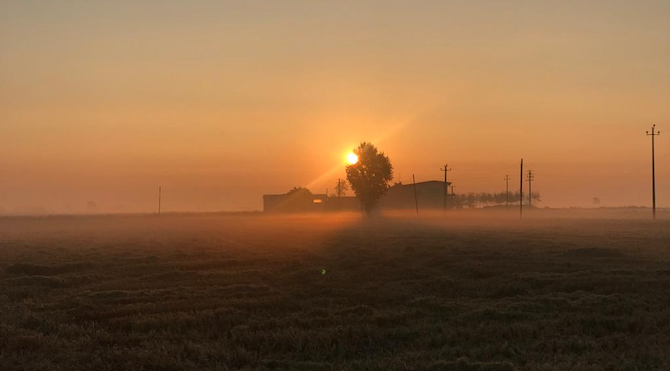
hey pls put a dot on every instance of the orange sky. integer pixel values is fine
(222, 101)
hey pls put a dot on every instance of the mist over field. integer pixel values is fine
(578, 290)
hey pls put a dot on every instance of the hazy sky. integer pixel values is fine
(222, 101)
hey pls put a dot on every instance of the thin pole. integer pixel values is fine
(531, 177)
(446, 188)
(507, 192)
(159, 199)
(521, 191)
(653, 169)
(416, 199)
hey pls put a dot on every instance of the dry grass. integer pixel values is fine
(467, 292)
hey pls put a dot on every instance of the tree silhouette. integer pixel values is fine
(299, 190)
(341, 188)
(471, 200)
(370, 176)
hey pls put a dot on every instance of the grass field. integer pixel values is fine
(470, 291)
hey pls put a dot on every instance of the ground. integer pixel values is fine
(465, 291)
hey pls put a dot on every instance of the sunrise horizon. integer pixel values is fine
(222, 102)
(309, 185)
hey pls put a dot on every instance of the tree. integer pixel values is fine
(471, 200)
(536, 197)
(341, 188)
(370, 176)
(299, 190)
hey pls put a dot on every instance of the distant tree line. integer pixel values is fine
(472, 200)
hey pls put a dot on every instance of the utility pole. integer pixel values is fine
(531, 177)
(521, 191)
(159, 200)
(446, 189)
(416, 199)
(507, 192)
(653, 134)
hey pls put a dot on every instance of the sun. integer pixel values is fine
(352, 158)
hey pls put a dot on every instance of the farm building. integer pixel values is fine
(429, 195)
(298, 200)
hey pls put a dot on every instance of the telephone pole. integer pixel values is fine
(446, 189)
(521, 191)
(507, 192)
(416, 199)
(530, 179)
(159, 199)
(653, 134)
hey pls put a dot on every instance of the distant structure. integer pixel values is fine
(429, 196)
(297, 200)
(344, 203)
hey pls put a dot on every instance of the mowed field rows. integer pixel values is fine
(252, 292)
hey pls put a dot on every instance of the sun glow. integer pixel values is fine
(352, 158)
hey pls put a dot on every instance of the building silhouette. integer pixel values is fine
(429, 195)
(297, 200)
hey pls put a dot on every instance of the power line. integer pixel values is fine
(506, 192)
(521, 191)
(446, 190)
(530, 179)
(653, 134)
(416, 199)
